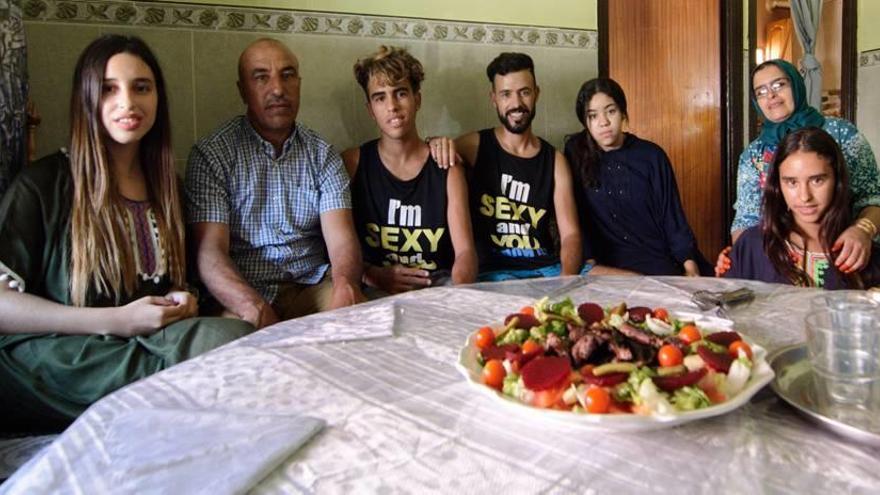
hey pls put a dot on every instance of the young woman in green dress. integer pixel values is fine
(92, 256)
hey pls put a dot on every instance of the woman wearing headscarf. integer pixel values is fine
(779, 94)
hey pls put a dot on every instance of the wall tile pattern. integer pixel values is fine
(869, 58)
(198, 47)
(218, 18)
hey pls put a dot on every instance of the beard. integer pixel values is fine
(522, 126)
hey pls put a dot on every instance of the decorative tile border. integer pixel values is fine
(222, 18)
(869, 58)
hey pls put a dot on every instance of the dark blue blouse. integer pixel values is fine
(749, 261)
(632, 218)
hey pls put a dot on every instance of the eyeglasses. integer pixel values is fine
(774, 87)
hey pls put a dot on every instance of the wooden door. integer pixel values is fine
(667, 56)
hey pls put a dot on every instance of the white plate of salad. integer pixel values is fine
(616, 368)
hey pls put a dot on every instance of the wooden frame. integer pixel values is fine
(732, 92)
(849, 61)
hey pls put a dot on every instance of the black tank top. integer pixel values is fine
(512, 209)
(397, 221)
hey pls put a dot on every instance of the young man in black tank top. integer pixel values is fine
(411, 216)
(520, 185)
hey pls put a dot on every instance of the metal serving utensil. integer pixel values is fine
(722, 301)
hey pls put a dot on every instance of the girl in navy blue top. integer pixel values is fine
(627, 198)
(806, 205)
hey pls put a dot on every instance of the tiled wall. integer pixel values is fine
(198, 47)
(868, 113)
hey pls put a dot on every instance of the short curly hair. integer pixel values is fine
(393, 64)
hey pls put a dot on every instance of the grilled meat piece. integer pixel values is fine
(621, 351)
(556, 345)
(575, 332)
(641, 336)
(642, 354)
(583, 348)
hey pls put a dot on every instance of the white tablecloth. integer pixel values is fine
(400, 418)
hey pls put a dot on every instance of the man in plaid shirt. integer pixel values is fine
(268, 202)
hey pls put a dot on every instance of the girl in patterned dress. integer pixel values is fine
(92, 261)
(806, 206)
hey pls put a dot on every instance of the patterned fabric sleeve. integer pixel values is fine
(864, 179)
(748, 190)
(334, 181)
(206, 189)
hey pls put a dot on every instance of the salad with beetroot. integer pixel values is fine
(627, 360)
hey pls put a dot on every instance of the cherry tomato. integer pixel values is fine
(736, 346)
(527, 310)
(660, 314)
(493, 373)
(531, 346)
(689, 334)
(669, 355)
(551, 397)
(485, 337)
(598, 400)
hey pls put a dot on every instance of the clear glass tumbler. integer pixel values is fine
(844, 350)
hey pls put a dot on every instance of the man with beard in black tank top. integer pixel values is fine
(411, 216)
(520, 186)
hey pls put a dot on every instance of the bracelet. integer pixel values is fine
(866, 226)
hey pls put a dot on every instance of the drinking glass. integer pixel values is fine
(844, 350)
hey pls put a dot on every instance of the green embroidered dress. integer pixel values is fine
(46, 380)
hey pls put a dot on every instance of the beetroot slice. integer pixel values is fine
(498, 351)
(670, 383)
(723, 338)
(523, 358)
(716, 360)
(524, 321)
(607, 380)
(546, 372)
(591, 312)
(638, 314)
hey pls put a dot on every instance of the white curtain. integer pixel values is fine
(805, 15)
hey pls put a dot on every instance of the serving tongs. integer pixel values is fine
(722, 301)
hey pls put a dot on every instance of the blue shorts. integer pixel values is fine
(547, 271)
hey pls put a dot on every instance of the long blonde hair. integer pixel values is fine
(101, 257)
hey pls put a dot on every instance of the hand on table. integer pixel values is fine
(398, 278)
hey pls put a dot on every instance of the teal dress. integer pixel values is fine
(48, 379)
